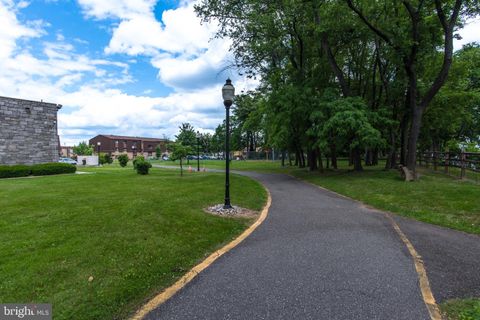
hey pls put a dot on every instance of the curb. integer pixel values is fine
(190, 275)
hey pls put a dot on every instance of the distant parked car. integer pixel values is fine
(67, 160)
(165, 157)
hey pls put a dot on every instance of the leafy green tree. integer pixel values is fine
(206, 142)
(83, 149)
(394, 57)
(187, 135)
(408, 28)
(158, 152)
(453, 118)
(179, 152)
(218, 139)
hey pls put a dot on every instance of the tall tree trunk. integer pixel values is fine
(333, 154)
(357, 159)
(312, 160)
(369, 157)
(403, 138)
(392, 155)
(337, 71)
(412, 140)
(302, 158)
(320, 160)
(375, 157)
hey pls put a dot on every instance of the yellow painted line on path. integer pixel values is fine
(427, 294)
(424, 284)
(182, 282)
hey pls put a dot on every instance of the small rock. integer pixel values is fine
(90, 279)
(219, 209)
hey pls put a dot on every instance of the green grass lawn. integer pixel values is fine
(467, 309)
(266, 166)
(133, 234)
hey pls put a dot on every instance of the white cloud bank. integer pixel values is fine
(178, 47)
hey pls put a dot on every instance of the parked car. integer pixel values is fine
(67, 160)
(165, 157)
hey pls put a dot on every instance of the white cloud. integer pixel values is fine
(180, 47)
(85, 86)
(12, 30)
(121, 9)
(470, 33)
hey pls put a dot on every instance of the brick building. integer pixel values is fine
(66, 151)
(133, 146)
(28, 131)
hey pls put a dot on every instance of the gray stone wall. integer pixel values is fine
(28, 131)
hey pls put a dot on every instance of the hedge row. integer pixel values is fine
(36, 170)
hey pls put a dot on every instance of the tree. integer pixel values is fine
(187, 135)
(179, 152)
(158, 152)
(409, 29)
(206, 142)
(83, 149)
(393, 56)
(218, 138)
(453, 119)
(352, 126)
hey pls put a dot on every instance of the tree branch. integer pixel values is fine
(448, 51)
(380, 33)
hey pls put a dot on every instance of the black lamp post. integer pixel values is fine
(98, 151)
(198, 151)
(228, 93)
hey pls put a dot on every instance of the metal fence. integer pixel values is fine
(464, 165)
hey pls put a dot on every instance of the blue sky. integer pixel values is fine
(128, 67)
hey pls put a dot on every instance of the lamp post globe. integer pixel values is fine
(228, 93)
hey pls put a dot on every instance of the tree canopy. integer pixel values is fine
(351, 77)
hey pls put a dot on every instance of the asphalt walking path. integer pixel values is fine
(321, 256)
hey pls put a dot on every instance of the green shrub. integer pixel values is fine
(123, 160)
(108, 158)
(105, 158)
(142, 166)
(137, 158)
(14, 171)
(52, 168)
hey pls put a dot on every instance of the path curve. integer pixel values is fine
(317, 256)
